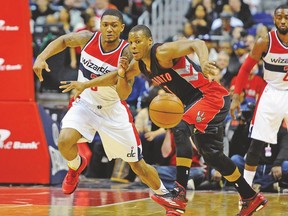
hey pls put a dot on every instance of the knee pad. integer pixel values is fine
(182, 133)
(254, 152)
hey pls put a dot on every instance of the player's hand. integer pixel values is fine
(123, 66)
(235, 106)
(150, 136)
(276, 172)
(78, 87)
(38, 66)
(209, 69)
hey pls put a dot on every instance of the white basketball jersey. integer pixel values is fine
(276, 63)
(94, 62)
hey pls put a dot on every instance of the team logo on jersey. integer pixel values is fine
(88, 63)
(200, 116)
(162, 78)
(279, 60)
(131, 154)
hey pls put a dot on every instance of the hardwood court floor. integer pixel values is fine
(93, 198)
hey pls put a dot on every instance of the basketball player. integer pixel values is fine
(207, 104)
(273, 104)
(99, 108)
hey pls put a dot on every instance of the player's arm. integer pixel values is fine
(108, 79)
(126, 76)
(58, 45)
(173, 50)
(259, 48)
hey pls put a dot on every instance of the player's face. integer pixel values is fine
(139, 44)
(281, 20)
(111, 28)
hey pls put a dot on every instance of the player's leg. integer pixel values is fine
(184, 153)
(252, 159)
(211, 147)
(74, 127)
(67, 144)
(264, 127)
(149, 176)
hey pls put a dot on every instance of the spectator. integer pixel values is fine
(188, 31)
(42, 9)
(226, 16)
(225, 76)
(200, 20)
(140, 86)
(241, 50)
(242, 11)
(234, 64)
(210, 8)
(254, 85)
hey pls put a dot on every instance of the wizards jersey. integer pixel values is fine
(276, 63)
(94, 62)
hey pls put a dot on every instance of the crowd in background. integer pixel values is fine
(229, 28)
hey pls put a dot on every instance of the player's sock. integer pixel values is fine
(249, 176)
(162, 190)
(240, 184)
(183, 175)
(75, 163)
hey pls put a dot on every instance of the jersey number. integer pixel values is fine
(93, 76)
(285, 78)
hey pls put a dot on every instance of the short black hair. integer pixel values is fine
(143, 28)
(113, 12)
(283, 6)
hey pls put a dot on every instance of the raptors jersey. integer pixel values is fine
(94, 62)
(184, 79)
(276, 63)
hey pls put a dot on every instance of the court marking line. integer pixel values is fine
(120, 203)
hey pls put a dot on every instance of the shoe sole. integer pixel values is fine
(72, 191)
(169, 208)
(172, 214)
(261, 206)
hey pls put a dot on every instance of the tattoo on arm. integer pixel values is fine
(127, 53)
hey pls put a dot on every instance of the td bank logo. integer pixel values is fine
(5, 27)
(8, 67)
(5, 134)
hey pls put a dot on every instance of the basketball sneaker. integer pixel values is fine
(71, 179)
(173, 201)
(254, 204)
(172, 213)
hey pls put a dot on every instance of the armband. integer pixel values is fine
(243, 74)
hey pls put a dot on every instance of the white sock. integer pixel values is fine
(162, 190)
(249, 176)
(75, 163)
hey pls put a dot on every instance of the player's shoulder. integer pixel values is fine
(262, 44)
(263, 39)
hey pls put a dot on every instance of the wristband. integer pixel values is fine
(123, 77)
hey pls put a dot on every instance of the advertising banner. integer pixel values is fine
(24, 155)
(16, 75)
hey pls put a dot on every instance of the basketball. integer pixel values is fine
(166, 110)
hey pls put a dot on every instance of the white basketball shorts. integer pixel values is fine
(271, 110)
(114, 124)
